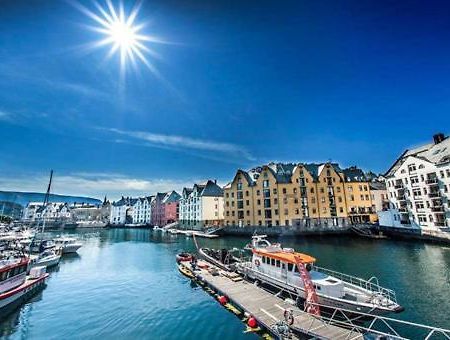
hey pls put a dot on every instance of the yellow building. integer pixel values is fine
(297, 194)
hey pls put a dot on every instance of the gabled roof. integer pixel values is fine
(212, 189)
(171, 196)
(354, 174)
(433, 153)
(376, 185)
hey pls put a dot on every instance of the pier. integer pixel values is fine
(244, 297)
(268, 309)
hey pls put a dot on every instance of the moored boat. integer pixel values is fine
(184, 257)
(15, 285)
(48, 258)
(68, 244)
(222, 258)
(279, 268)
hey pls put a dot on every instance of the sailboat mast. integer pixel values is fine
(46, 198)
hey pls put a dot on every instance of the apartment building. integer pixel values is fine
(418, 185)
(165, 208)
(291, 194)
(201, 206)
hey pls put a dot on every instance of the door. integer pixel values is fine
(284, 271)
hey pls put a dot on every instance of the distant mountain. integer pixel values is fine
(23, 198)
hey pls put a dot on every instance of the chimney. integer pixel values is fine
(439, 137)
(215, 181)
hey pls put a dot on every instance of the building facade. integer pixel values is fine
(171, 205)
(279, 194)
(141, 210)
(157, 209)
(201, 206)
(121, 211)
(418, 185)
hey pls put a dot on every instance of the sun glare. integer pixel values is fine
(121, 32)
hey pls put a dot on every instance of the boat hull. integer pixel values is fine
(330, 302)
(20, 294)
(72, 248)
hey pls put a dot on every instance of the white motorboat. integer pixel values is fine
(15, 285)
(68, 244)
(48, 258)
(285, 269)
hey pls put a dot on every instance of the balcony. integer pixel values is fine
(432, 181)
(439, 224)
(434, 194)
(398, 186)
(401, 198)
(403, 211)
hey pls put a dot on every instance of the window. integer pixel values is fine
(284, 190)
(247, 202)
(248, 212)
(277, 263)
(247, 193)
(322, 190)
(352, 198)
(338, 189)
(268, 213)
(275, 201)
(411, 167)
(265, 183)
(258, 192)
(276, 211)
(267, 203)
(274, 191)
(258, 202)
(312, 190)
(286, 211)
(266, 193)
(259, 212)
(297, 211)
(272, 262)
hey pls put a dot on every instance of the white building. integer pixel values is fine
(53, 211)
(201, 206)
(131, 211)
(119, 211)
(142, 210)
(418, 185)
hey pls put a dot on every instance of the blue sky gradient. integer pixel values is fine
(240, 84)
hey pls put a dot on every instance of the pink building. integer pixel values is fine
(171, 205)
(165, 208)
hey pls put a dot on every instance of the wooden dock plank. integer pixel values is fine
(268, 309)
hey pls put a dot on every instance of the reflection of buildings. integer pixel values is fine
(280, 194)
(11, 210)
(418, 184)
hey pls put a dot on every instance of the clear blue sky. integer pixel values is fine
(240, 83)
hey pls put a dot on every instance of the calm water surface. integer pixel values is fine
(124, 284)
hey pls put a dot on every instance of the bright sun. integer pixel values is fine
(121, 33)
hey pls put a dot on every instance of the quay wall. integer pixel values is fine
(417, 234)
(318, 227)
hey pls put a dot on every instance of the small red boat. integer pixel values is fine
(184, 257)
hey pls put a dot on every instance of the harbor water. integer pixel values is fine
(124, 284)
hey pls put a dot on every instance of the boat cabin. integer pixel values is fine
(12, 273)
(281, 266)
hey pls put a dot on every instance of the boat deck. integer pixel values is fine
(268, 309)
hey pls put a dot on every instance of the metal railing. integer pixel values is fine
(370, 285)
(374, 325)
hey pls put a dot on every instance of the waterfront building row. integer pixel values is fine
(288, 194)
(160, 209)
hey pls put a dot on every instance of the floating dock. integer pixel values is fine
(267, 308)
(191, 233)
